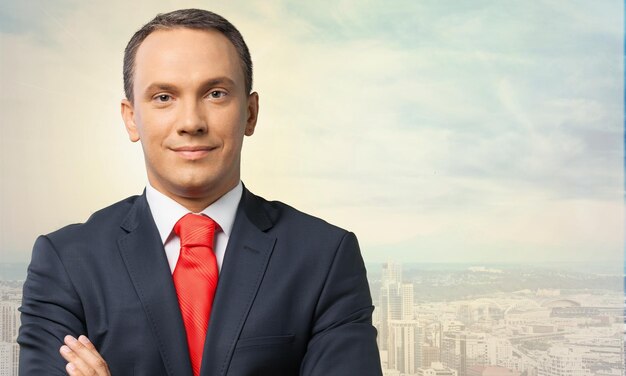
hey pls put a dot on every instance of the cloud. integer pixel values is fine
(418, 125)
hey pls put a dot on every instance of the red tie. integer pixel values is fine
(195, 278)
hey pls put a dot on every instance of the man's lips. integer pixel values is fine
(193, 152)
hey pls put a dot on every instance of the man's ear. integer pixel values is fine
(128, 114)
(253, 113)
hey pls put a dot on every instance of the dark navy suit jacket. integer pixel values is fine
(292, 297)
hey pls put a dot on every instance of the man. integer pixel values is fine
(135, 289)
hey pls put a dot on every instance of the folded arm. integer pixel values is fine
(344, 340)
(51, 309)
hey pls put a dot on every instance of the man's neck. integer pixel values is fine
(193, 201)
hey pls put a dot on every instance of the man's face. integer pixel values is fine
(190, 112)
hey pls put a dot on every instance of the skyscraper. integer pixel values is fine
(9, 321)
(396, 301)
(405, 345)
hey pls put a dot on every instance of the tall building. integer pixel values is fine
(387, 297)
(9, 321)
(464, 314)
(394, 304)
(461, 350)
(406, 301)
(396, 301)
(391, 277)
(500, 352)
(9, 357)
(9, 326)
(454, 351)
(392, 273)
(476, 350)
(405, 346)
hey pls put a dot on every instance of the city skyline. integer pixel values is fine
(573, 330)
(557, 323)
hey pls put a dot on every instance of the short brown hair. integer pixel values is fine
(192, 19)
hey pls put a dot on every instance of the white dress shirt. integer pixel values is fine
(166, 212)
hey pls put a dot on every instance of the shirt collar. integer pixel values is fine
(166, 212)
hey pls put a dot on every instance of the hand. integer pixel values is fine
(83, 358)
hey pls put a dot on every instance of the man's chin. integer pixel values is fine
(199, 189)
(194, 189)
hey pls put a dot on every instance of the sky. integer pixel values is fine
(437, 131)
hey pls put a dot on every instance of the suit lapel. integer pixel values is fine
(145, 259)
(246, 259)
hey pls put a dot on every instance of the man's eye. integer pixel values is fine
(163, 98)
(217, 94)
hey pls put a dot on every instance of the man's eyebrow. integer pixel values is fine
(157, 86)
(217, 81)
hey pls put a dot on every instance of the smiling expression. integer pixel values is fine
(190, 111)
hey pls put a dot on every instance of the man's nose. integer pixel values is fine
(193, 119)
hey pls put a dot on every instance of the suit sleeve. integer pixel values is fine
(51, 309)
(344, 340)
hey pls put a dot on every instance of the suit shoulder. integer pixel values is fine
(99, 222)
(284, 215)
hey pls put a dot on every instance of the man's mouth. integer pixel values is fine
(193, 152)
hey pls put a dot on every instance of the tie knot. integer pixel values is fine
(195, 230)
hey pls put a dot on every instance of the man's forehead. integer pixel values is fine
(172, 52)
